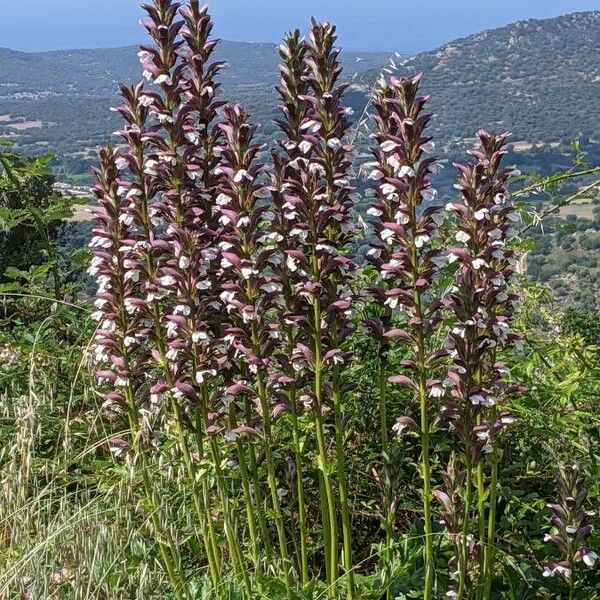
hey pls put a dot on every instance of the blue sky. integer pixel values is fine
(405, 25)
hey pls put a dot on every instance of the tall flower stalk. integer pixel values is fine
(482, 305)
(406, 260)
(313, 201)
(120, 341)
(283, 232)
(248, 291)
(169, 146)
(572, 527)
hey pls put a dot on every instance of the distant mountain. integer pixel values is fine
(60, 100)
(538, 78)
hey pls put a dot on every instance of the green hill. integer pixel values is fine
(539, 79)
(60, 100)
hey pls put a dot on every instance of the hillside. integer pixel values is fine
(539, 79)
(61, 99)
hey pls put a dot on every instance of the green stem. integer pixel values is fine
(326, 529)
(332, 542)
(213, 547)
(272, 480)
(388, 517)
(250, 514)
(489, 551)
(208, 538)
(166, 544)
(426, 474)
(424, 417)
(299, 487)
(572, 586)
(232, 541)
(464, 542)
(343, 484)
(260, 510)
(207, 532)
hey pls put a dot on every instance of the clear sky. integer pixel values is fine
(405, 25)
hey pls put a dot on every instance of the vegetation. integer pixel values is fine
(36, 111)
(248, 411)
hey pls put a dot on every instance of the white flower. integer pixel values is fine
(167, 280)
(374, 212)
(481, 214)
(482, 400)
(291, 263)
(248, 316)
(184, 262)
(100, 242)
(478, 263)
(436, 391)
(193, 137)
(164, 78)
(302, 234)
(132, 275)
(388, 146)
(401, 218)
(406, 171)
(305, 146)
(375, 174)
(391, 301)
(387, 235)
(240, 175)
(126, 218)
(202, 375)
(421, 240)
(462, 236)
(198, 336)
(145, 56)
(387, 189)
(182, 309)
(271, 287)
(429, 194)
(590, 558)
(326, 248)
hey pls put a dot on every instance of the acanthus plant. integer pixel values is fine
(317, 202)
(120, 342)
(249, 293)
(285, 233)
(226, 304)
(408, 262)
(572, 527)
(170, 136)
(482, 304)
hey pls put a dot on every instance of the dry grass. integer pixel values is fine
(66, 533)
